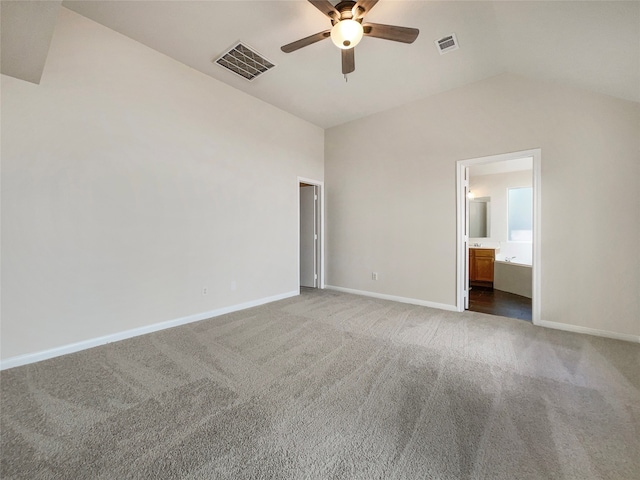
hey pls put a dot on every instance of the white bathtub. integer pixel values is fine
(515, 252)
(513, 259)
(513, 277)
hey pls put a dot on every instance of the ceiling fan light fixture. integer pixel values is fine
(347, 34)
(347, 29)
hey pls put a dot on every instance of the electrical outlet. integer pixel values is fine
(234, 285)
(204, 290)
(374, 276)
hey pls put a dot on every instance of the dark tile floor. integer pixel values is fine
(497, 302)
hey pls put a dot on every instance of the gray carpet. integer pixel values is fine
(330, 385)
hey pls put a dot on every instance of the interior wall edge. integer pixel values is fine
(34, 357)
(395, 298)
(452, 308)
(567, 327)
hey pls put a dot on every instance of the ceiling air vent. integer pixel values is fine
(244, 61)
(447, 44)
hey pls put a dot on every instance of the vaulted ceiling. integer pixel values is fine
(593, 45)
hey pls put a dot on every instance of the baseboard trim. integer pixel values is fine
(589, 331)
(20, 360)
(383, 296)
(452, 308)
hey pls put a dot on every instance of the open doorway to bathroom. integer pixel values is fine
(498, 231)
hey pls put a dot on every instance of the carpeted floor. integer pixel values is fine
(329, 385)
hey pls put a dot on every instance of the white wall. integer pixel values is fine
(130, 182)
(391, 195)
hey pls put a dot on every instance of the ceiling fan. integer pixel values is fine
(347, 29)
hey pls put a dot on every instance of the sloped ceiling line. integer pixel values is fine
(593, 45)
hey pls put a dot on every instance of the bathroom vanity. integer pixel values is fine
(481, 262)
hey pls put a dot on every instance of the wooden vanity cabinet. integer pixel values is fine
(481, 266)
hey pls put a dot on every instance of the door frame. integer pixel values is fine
(462, 225)
(320, 244)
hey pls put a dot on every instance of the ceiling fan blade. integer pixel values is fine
(391, 32)
(348, 61)
(325, 7)
(362, 7)
(303, 42)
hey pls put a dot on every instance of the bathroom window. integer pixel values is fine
(520, 214)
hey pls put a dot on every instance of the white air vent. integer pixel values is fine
(244, 61)
(447, 44)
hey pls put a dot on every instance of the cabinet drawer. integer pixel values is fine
(484, 252)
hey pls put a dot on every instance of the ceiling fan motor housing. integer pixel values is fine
(345, 9)
(347, 29)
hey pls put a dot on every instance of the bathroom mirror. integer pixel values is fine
(480, 217)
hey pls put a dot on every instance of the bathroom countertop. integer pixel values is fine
(487, 247)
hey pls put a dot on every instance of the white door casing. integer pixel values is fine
(466, 238)
(462, 227)
(309, 236)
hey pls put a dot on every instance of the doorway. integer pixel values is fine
(502, 252)
(311, 238)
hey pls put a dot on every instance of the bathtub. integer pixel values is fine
(522, 260)
(510, 276)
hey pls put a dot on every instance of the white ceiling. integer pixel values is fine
(25, 35)
(593, 44)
